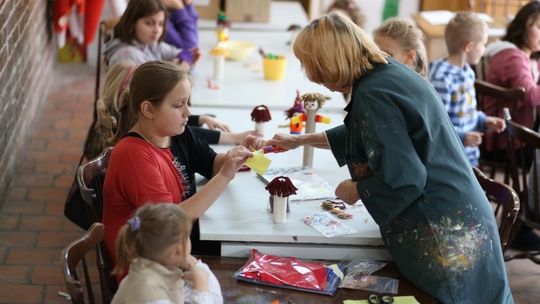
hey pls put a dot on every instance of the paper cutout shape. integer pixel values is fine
(258, 163)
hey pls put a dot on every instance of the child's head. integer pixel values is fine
(144, 21)
(111, 103)
(466, 33)
(335, 52)
(348, 8)
(524, 30)
(404, 41)
(159, 92)
(158, 232)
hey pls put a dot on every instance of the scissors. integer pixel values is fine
(377, 299)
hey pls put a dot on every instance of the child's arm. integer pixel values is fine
(212, 294)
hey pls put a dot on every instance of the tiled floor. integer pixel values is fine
(32, 227)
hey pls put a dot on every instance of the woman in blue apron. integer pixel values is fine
(407, 165)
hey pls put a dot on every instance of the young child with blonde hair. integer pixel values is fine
(155, 244)
(404, 41)
(453, 78)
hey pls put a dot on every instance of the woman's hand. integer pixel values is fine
(286, 141)
(346, 190)
(234, 159)
(213, 123)
(173, 4)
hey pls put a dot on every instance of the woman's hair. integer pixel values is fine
(137, 9)
(516, 32)
(332, 49)
(151, 81)
(349, 8)
(409, 37)
(152, 230)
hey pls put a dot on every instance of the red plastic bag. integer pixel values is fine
(289, 272)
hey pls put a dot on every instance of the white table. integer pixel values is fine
(241, 221)
(282, 15)
(244, 86)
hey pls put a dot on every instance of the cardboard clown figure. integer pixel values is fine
(312, 103)
(280, 188)
(260, 115)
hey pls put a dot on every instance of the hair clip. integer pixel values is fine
(134, 223)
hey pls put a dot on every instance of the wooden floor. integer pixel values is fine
(32, 227)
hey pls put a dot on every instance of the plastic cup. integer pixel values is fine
(274, 69)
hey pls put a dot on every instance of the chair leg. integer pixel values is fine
(89, 290)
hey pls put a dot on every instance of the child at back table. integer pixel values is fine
(453, 78)
(155, 245)
(139, 34)
(404, 41)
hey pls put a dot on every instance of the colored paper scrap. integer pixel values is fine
(258, 163)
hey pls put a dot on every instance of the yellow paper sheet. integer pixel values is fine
(258, 163)
(397, 300)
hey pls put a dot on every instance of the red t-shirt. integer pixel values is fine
(138, 173)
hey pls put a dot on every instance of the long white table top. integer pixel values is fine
(244, 85)
(282, 15)
(240, 214)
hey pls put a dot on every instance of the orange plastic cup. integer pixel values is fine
(274, 69)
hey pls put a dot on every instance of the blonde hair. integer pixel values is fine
(409, 37)
(465, 27)
(332, 49)
(152, 230)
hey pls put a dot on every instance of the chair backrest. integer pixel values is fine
(74, 254)
(486, 89)
(505, 202)
(524, 155)
(90, 177)
(105, 34)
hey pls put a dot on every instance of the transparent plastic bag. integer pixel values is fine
(359, 276)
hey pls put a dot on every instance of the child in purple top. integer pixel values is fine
(182, 28)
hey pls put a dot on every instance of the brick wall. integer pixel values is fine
(26, 58)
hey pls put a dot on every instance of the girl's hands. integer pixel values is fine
(213, 123)
(253, 142)
(197, 276)
(234, 159)
(346, 190)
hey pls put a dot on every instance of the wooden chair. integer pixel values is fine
(105, 34)
(73, 255)
(505, 202)
(521, 140)
(90, 177)
(486, 89)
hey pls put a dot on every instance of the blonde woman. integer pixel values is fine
(404, 41)
(407, 166)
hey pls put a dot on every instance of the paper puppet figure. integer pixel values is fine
(280, 188)
(222, 27)
(312, 103)
(297, 108)
(219, 61)
(260, 115)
